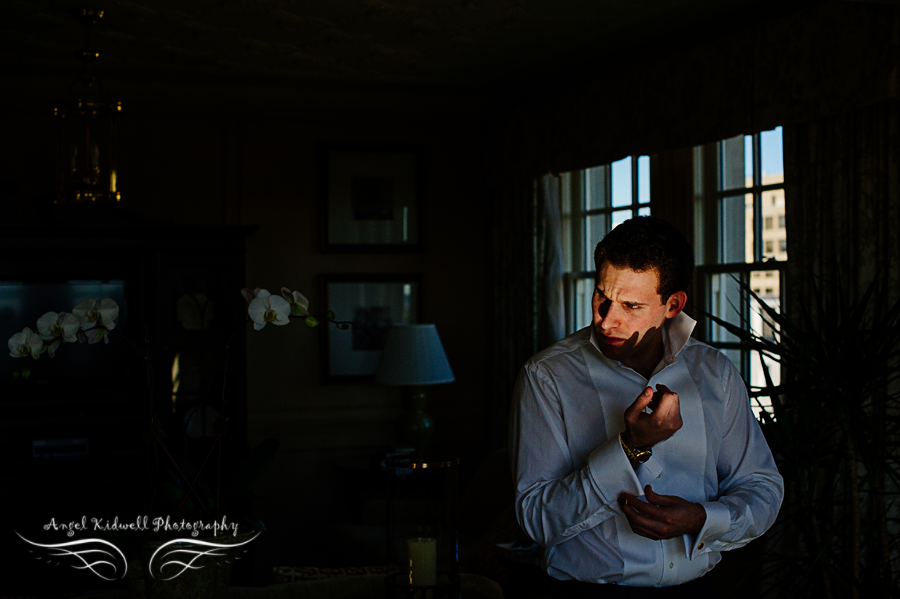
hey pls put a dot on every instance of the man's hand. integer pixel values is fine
(664, 517)
(643, 430)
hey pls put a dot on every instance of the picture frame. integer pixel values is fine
(370, 198)
(372, 303)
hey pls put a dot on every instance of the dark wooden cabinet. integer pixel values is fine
(72, 436)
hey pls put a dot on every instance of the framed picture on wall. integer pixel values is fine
(372, 303)
(370, 199)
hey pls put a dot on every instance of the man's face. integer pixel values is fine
(629, 313)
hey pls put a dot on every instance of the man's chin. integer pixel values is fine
(613, 351)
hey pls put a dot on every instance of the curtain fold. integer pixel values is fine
(514, 293)
(813, 63)
(528, 285)
(552, 321)
(842, 184)
(842, 202)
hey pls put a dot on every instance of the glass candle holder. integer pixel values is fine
(422, 541)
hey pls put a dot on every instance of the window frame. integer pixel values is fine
(575, 219)
(709, 219)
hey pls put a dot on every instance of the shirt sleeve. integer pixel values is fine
(554, 501)
(750, 487)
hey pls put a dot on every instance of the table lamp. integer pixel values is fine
(413, 357)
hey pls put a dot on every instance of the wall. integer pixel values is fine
(255, 163)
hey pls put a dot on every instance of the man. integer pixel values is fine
(636, 456)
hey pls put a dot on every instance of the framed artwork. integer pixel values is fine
(370, 199)
(372, 303)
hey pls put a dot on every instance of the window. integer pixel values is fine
(595, 200)
(739, 197)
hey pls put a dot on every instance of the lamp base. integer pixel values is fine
(415, 426)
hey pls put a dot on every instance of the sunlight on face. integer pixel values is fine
(629, 314)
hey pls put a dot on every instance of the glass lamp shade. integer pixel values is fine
(86, 151)
(86, 144)
(422, 541)
(413, 355)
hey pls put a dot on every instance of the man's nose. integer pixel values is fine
(609, 316)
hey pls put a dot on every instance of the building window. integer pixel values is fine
(594, 201)
(740, 195)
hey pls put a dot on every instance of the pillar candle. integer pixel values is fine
(422, 561)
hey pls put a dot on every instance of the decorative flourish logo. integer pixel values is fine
(91, 547)
(175, 557)
(181, 546)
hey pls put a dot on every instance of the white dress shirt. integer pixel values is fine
(569, 467)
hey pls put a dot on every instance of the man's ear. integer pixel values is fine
(675, 304)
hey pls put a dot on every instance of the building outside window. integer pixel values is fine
(740, 226)
(594, 201)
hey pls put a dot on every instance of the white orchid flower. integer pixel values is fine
(26, 343)
(91, 313)
(266, 307)
(96, 335)
(55, 328)
(299, 303)
(250, 294)
(62, 325)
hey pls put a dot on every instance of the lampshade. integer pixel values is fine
(413, 355)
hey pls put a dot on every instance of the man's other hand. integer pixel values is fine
(643, 430)
(662, 516)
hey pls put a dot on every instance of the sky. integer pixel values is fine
(772, 164)
(771, 149)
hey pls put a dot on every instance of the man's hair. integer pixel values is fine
(645, 243)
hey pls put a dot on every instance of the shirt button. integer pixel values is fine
(700, 545)
(671, 565)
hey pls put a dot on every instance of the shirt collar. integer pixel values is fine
(675, 334)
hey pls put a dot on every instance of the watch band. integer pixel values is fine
(635, 456)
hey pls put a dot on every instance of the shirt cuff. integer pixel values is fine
(718, 521)
(609, 465)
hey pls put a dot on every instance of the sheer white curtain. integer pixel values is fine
(551, 271)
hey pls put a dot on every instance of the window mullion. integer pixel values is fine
(634, 186)
(745, 323)
(756, 188)
(579, 236)
(757, 201)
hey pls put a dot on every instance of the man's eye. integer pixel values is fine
(632, 306)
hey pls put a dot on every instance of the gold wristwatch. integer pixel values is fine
(635, 456)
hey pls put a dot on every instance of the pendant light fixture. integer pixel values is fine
(86, 144)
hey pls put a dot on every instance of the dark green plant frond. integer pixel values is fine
(834, 427)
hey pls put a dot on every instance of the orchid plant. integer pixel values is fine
(92, 321)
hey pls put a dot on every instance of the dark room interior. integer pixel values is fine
(232, 131)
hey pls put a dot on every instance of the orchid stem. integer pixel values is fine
(146, 355)
(182, 474)
(197, 476)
